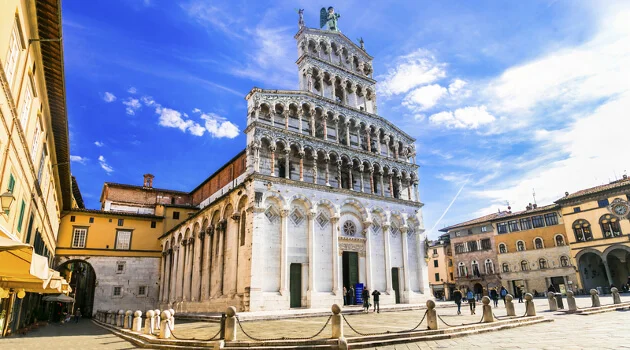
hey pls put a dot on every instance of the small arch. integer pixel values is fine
(542, 263)
(582, 230)
(503, 248)
(564, 261)
(505, 267)
(610, 226)
(524, 265)
(559, 240)
(538, 243)
(520, 246)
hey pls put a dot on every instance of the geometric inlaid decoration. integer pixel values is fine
(394, 230)
(376, 227)
(272, 215)
(297, 217)
(322, 220)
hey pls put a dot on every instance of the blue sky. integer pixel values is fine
(503, 97)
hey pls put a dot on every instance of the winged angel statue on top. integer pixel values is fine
(329, 18)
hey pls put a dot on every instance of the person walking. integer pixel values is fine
(345, 296)
(365, 295)
(376, 294)
(503, 294)
(351, 296)
(520, 294)
(471, 301)
(77, 315)
(457, 297)
(494, 295)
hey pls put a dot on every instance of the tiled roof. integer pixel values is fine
(601, 188)
(479, 220)
(528, 212)
(114, 184)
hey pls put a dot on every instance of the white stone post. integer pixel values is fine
(137, 321)
(595, 298)
(335, 255)
(509, 305)
(171, 320)
(165, 331)
(126, 323)
(388, 265)
(149, 322)
(336, 322)
(157, 322)
(119, 319)
(284, 227)
(487, 310)
(615, 295)
(551, 298)
(230, 324)
(530, 309)
(432, 322)
(571, 304)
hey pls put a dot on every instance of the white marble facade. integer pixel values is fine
(325, 175)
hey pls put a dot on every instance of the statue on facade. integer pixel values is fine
(301, 18)
(329, 18)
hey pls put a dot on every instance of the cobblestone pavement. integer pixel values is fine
(83, 335)
(601, 331)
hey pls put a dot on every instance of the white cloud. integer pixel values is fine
(171, 118)
(424, 97)
(219, 127)
(463, 118)
(109, 97)
(78, 159)
(196, 110)
(132, 90)
(416, 69)
(133, 104)
(149, 101)
(99, 144)
(108, 169)
(214, 17)
(456, 86)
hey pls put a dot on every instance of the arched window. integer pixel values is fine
(610, 226)
(542, 263)
(524, 265)
(520, 246)
(475, 268)
(502, 248)
(564, 261)
(538, 243)
(506, 267)
(559, 240)
(582, 230)
(461, 270)
(349, 228)
(489, 267)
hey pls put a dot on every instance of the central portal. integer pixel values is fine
(350, 266)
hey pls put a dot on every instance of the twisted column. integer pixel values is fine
(315, 168)
(368, 133)
(348, 134)
(287, 169)
(301, 155)
(371, 180)
(339, 173)
(361, 174)
(327, 160)
(272, 149)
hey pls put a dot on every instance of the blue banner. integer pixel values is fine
(358, 291)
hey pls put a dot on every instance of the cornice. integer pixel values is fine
(308, 56)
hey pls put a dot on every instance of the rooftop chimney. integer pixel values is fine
(148, 180)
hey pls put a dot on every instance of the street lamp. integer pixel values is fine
(6, 199)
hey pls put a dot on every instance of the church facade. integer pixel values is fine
(324, 196)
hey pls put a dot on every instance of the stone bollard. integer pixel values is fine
(126, 323)
(509, 305)
(172, 319)
(230, 324)
(595, 298)
(149, 322)
(336, 322)
(432, 322)
(530, 309)
(615, 295)
(119, 320)
(487, 310)
(137, 321)
(165, 331)
(571, 302)
(110, 317)
(551, 298)
(156, 324)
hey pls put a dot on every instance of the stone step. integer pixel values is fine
(600, 309)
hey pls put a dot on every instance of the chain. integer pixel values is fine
(441, 319)
(282, 338)
(214, 337)
(386, 332)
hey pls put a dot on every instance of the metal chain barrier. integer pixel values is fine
(386, 332)
(214, 337)
(448, 325)
(282, 338)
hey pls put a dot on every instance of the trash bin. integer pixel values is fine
(559, 300)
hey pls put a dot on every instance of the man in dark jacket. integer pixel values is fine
(351, 296)
(376, 294)
(457, 296)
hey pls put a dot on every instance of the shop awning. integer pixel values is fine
(62, 298)
(21, 268)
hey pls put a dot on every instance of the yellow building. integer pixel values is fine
(533, 250)
(35, 176)
(441, 279)
(596, 221)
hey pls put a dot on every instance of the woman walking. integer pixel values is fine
(471, 301)
(457, 296)
(365, 295)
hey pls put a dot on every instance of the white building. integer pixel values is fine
(327, 197)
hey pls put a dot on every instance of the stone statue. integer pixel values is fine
(362, 43)
(329, 18)
(301, 18)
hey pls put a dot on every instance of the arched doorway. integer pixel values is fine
(82, 278)
(478, 289)
(592, 271)
(618, 260)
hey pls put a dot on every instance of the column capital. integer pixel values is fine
(301, 153)
(272, 148)
(312, 214)
(361, 168)
(284, 213)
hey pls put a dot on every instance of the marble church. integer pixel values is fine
(324, 196)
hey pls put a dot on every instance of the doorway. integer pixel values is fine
(396, 284)
(82, 279)
(350, 267)
(295, 285)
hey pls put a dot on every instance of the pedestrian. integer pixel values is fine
(351, 296)
(494, 296)
(77, 315)
(345, 296)
(520, 294)
(471, 301)
(376, 294)
(457, 296)
(503, 294)
(551, 288)
(365, 295)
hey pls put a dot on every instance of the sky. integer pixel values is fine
(504, 98)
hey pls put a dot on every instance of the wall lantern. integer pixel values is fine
(6, 199)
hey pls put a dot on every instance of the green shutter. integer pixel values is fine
(11, 186)
(19, 227)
